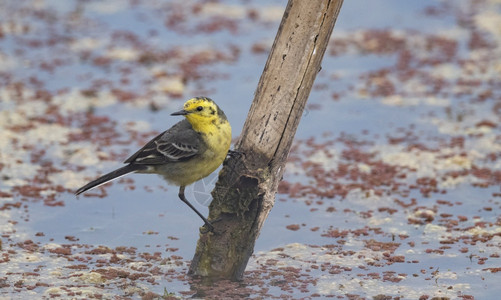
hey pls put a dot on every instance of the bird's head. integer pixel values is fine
(200, 112)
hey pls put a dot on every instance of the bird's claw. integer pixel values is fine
(208, 227)
(234, 153)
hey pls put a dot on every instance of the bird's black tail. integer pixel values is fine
(110, 176)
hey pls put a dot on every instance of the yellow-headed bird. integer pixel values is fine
(188, 151)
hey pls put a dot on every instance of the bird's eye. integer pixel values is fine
(200, 108)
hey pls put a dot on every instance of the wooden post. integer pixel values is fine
(245, 192)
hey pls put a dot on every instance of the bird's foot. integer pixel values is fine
(234, 153)
(208, 227)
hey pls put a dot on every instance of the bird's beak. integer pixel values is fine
(180, 113)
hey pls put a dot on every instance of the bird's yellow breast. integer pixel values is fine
(217, 138)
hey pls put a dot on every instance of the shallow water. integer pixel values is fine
(391, 189)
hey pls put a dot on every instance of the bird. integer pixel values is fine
(190, 150)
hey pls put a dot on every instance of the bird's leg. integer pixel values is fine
(183, 198)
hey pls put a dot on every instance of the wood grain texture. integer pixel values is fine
(245, 192)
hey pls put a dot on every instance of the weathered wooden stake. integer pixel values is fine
(245, 192)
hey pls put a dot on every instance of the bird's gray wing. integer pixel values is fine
(179, 143)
